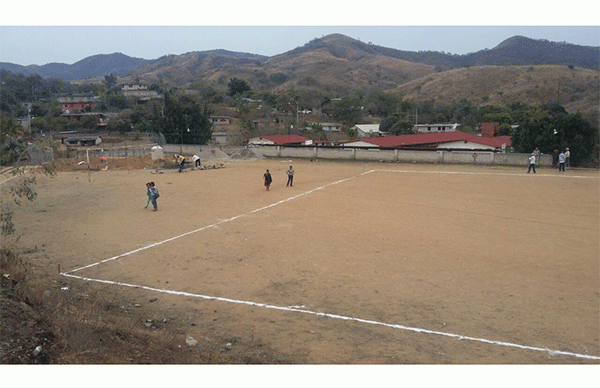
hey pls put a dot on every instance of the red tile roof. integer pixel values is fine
(435, 138)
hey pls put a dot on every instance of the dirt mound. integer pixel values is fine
(245, 154)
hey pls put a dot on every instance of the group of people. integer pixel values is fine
(562, 159)
(180, 161)
(152, 195)
(269, 179)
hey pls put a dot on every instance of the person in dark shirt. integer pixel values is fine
(268, 179)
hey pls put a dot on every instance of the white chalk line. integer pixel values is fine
(491, 173)
(209, 226)
(342, 317)
(9, 179)
(299, 310)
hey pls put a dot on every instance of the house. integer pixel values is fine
(429, 128)
(139, 91)
(220, 120)
(368, 130)
(280, 140)
(81, 140)
(330, 127)
(478, 143)
(490, 129)
(450, 141)
(79, 103)
(266, 124)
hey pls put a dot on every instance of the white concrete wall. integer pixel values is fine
(407, 156)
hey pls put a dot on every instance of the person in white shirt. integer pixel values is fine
(196, 161)
(531, 163)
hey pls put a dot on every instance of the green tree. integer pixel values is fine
(183, 121)
(348, 111)
(118, 125)
(21, 184)
(551, 128)
(500, 118)
(237, 86)
(88, 122)
(383, 104)
(110, 81)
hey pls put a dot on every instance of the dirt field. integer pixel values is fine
(358, 263)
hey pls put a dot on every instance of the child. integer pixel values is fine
(268, 179)
(147, 195)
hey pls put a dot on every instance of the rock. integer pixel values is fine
(37, 350)
(190, 341)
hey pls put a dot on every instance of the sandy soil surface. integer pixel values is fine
(357, 263)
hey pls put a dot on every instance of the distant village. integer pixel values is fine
(429, 136)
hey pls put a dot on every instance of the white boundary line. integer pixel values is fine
(298, 310)
(491, 173)
(342, 317)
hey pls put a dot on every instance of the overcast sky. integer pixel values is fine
(74, 33)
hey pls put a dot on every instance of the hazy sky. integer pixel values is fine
(76, 32)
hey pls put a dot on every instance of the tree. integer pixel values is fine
(183, 121)
(237, 86)
(118, 125)
(21, 184)
(383, 104)
(500, 118)
(395, 126)
(348, 111)
(554, 129)
(88, 121)
(110, 81)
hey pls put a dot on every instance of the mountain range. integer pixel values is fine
(517, 50)
(339, 65)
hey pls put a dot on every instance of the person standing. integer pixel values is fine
(148, 192)
(537, 154)
(290, 174)
(531, 163)
(561, 162)
(268, 179)
(567, 157)
(154, 195)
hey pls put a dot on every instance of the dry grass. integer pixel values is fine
(77, 323)
(575, 89)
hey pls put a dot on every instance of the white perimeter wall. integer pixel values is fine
(400, 155)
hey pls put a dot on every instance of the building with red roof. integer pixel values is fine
(434, 141)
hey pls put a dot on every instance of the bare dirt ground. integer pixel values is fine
(357, 263)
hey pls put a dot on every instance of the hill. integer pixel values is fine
(334, 64)
(519, 68)
(90, 67)
(576, 89)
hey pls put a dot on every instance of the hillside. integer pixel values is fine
(90, 67)
(576, 89)
(519, 68)
(334, 64)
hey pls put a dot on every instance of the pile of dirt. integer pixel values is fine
(246, 154)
